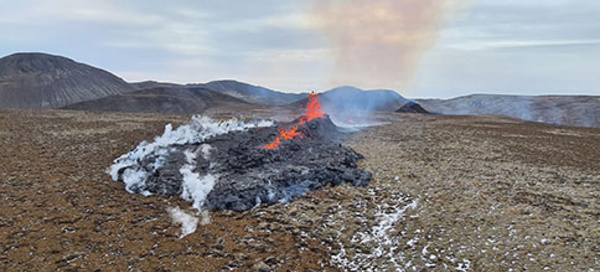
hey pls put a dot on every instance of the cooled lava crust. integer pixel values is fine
(248, 175)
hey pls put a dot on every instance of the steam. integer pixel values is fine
(379, 43)
(354, 108)
(353, 101)
(131, 169)
(128, 168)
(195, 187)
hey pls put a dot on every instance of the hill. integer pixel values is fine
(42, 81)
(351, 100)
(412, 107)
(153, 84)
(252, 94)
(583, 111)
(163, 100)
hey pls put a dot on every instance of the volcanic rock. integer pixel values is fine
(36, 80)
(412, 107)
(261, 267)
(232, 171)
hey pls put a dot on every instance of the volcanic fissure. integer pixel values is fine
(235, 165)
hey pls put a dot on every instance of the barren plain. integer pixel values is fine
(449, 193)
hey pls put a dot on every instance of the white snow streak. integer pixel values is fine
(188, 222)
(380, 238)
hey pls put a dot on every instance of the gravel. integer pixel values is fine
(448, 193)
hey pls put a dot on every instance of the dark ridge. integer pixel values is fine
(163, 100)
(150, 84)
(412, 107)
(252, 94)
(43, 81)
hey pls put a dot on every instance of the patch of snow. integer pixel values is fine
(424, 252)
(188, 222)
(132, 178)
(130, 170)
(190, 156)
(206, 149)
(464, 266)
(381, 240)
(204, 218)
(412, 242)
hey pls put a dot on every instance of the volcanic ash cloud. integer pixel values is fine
(379, 43)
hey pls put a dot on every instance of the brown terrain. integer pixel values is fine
(449, 193)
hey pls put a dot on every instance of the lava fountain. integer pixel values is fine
(313, 111)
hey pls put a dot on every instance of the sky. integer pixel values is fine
(419, 48)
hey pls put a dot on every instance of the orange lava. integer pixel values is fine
(313, 111)
(290, 134)
(284, 135)
(273, 145)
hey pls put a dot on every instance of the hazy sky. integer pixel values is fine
(417, 47)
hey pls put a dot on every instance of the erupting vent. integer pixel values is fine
(313, 111)
(226, 165)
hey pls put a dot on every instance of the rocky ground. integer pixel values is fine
(449, 193)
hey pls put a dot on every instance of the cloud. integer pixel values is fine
(523, 44)
(523, 47)
(301, 45)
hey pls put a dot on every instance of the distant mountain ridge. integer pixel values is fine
(583, 111)
(164, 100)
(243, 91)
(151, 84)
(43, 81)
(253, 94)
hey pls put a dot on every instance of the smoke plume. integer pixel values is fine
(379, 43)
